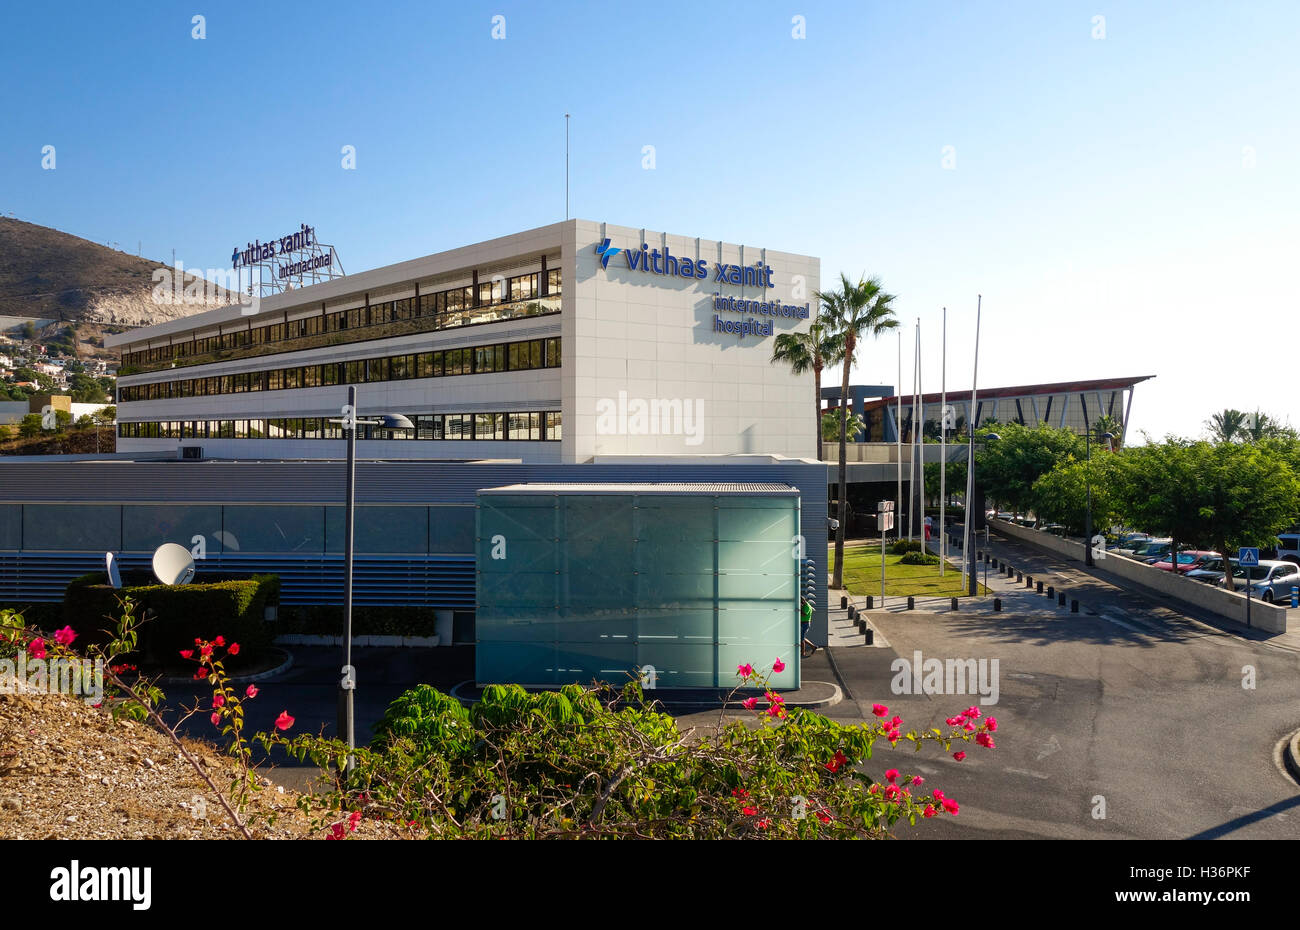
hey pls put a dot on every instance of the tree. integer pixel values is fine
(104, 416)
(810, 351)
(1236, 426)
(1061, 495)
(1214, 495)
(831, 424)
(27, 331)
(956, 478)
(86, 390)
(854, 311)
(1007, 468)
(30, 425)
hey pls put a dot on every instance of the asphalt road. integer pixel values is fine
(1129, 701)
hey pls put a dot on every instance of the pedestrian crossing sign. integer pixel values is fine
(1247, 556)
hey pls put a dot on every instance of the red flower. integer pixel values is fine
(950, 806)
(750, 703)
(251, 691)
(201, 673)
(284, 721)
(897, 721)
(354, 818)
(65, 636)
(749, 811)
(891, 774)
(778, 665)
(984, 740)
(823, 816)
(187, 653)
(879, 710)
(958, 756)
(220, 640)
(738, 793)
(928, 812)
(205, 650)
(918, 780)
(991, 723)
(218, 700)
(216, 718)
(37, 648)
(973, 712)
(891, 792)
(745, 671)
(234, 649)
(763, 824)
(337, 832)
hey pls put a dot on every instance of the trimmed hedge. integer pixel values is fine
(902, 546)
(919, 558)
(233, 608)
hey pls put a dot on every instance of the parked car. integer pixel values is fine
(1210, 572)
(1187, 560)
(1131, 542)
(1056, 529)
(1270, 580)
(1152, 550)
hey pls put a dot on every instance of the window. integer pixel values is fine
(523, 287)
(401, 367)
(458, 426)
(425, 364)
(553, 353)
(553, 426)
(553, 281)
(489, 426)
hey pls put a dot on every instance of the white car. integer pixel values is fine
(1269, 580)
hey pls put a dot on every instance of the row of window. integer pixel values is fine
(471, 360)
(488, 302)
(539, 426)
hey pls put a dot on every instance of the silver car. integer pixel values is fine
(1269, 580)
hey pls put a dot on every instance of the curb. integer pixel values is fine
(240, 679)
(313, 639)
(835, 697)
(1291, 755)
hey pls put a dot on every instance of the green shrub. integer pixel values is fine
(233, 608)
(919, 558)
(901, 546)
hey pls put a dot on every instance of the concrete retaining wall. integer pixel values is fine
(1227, 604)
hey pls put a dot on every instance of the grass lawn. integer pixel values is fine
(862, 575)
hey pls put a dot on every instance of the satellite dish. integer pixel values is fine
(110, 565)
(173, 564)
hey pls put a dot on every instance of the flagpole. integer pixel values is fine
(968, 544)
(918, 441)
(898, 434)
(943, 449)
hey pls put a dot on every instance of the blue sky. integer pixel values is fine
(1126, 205)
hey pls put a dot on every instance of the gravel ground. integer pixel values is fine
(70, 771)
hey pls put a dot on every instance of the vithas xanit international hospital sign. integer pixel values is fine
(759, 274)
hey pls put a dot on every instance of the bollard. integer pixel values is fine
(1029, 581)
(997, 603)
(1074, 606)
(954, 603)
(1060, 599)
(871, 600)
(1019, 575)
(995, 564)
(853, 612)
(1040, 588)
(986, 558)
(844, 602)
(1051, 591)
(871, 636)
(911, 602)
(1295, 596)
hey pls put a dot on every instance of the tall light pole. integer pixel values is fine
(348, 681)
(1087, 514)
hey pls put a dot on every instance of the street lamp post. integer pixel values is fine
(1087, 481)
(348, 681)
(972, 573)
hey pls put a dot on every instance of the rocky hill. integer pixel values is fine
(50, 275)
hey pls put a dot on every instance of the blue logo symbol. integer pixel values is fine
(606, 252)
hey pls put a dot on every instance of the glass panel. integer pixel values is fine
(272, 528)
(11, 525)
(451, 530)
(145, 527)
(381, 529)
(88, 527)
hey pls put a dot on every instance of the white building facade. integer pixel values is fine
(560, 344)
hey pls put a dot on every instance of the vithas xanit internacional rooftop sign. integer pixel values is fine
(759, 274)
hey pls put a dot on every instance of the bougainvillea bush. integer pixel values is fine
(591, 762)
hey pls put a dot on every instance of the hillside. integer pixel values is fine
(50, 275)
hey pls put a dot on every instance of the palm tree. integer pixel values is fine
(1108, 424)
(810, 351)
(852, 312)
(1226, 426)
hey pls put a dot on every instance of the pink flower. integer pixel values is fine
(234, 649)
(959, 756)
(218, 700)
(891, 792)
(778, 665)
(37, 648)
(953, 721)
(750, 703)
(968, 727)
(763, 824)
(739, 793)
(918, 780)
(938, 795)
(284, 721)
(205, 650)
(897, 721)
(337, 832)
(251, 691)
(928, 812)
(776, 710)
(991, 723)
(220, 640)
(973, 713)
(745, 671)
(216, 718)
(950, 806)
(984, 740)
(65, 636)
(879, 710)
(201, 673)
(873, 789)
(187, 653)
(749, 811)
(354, 818)
(891, 774)
(823, 816)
